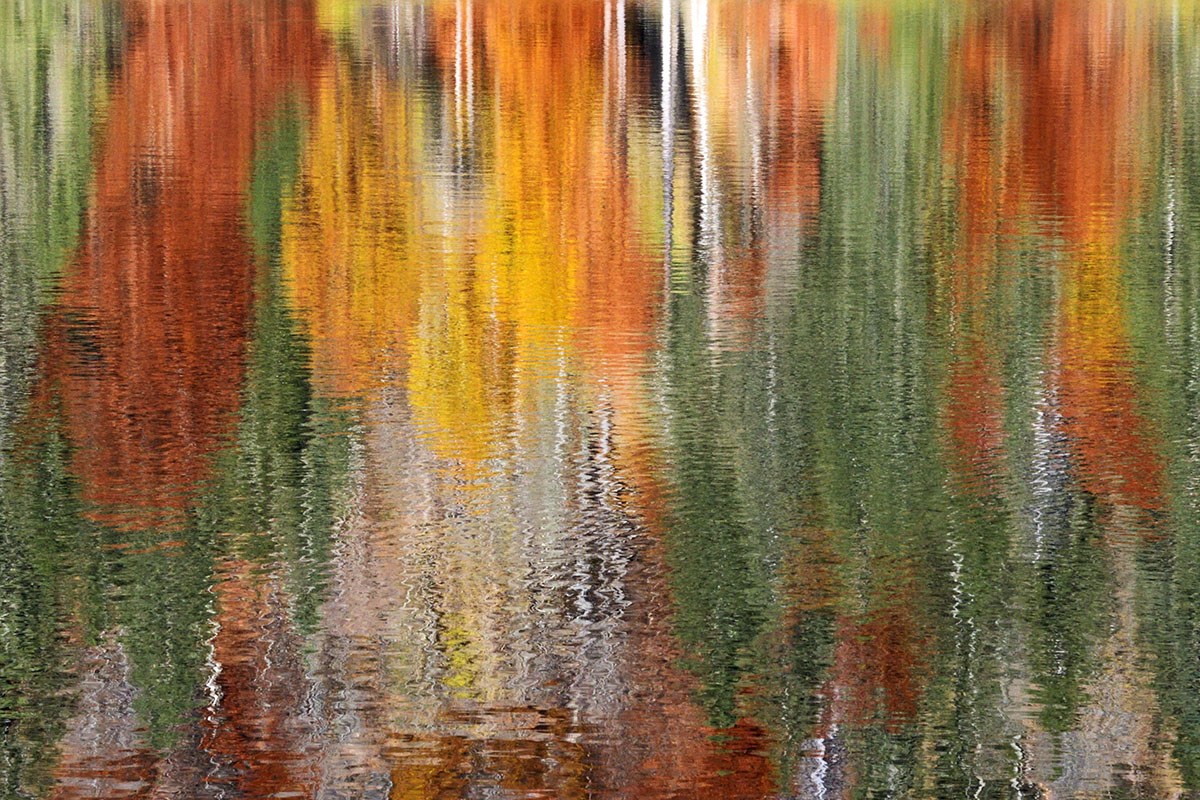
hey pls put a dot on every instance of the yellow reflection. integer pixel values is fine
(351, 249)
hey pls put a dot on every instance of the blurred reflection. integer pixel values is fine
(565, 398)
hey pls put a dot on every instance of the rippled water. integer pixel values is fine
(599, 398)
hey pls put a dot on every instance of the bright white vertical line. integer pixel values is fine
(458, 69)
(397, 28)
(709, 200)
(470, 54)
(668, 126)
(753, 112)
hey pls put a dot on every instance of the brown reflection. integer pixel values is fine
(1042, 136)
(877, 659)
(153, 319)
(156, 307)
(802, 85)
(260, 737)
(256, 739)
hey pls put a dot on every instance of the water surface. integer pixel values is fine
(599, 398)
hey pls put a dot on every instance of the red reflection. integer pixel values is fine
(154, 318)
(162, 290)
(1041, 134)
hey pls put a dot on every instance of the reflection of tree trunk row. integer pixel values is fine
(759, 80)
(467, 688)
(1069, 94)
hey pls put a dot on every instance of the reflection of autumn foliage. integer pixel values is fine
(154, 315)
(351, 248)
(155, 310)
(768, 75)
(508, 298)
(876, 660)
(1075, 72)
(1085, 70)
(661, 745)
(259, 731)
(800, 89)
(987, 206)
(875, 675)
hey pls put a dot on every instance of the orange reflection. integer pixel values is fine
(1069, 82)
(1086, 75)
(154, 318)
(160, 295)
(1088, 81)
(259, 731)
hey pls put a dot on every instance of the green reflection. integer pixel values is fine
(51, 80)
(274, 496)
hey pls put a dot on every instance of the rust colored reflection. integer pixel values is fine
(157, 305)
(1086, 75)
(154, 318)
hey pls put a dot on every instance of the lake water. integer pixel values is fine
(599, 399)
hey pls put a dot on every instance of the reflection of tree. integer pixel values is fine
(156, 313)
(51, 71)
(791, 447)
(1165, 252)
(350, 243)
(1044, 182)
(259, 533)
(117, 493)
(50, 577)
(51, 77)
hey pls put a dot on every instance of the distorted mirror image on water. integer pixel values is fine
(616, 399)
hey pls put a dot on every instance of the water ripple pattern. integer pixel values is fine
(652, 399)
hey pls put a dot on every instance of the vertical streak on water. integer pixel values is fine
(621, 76)
(606, 94)
(668, 133)
(773, 88)
(470, 53)
(709, 205)
(1049, 469)
(773, 94)
(1170, 288)
(458, 83)
(394, 49)
(754, 115)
